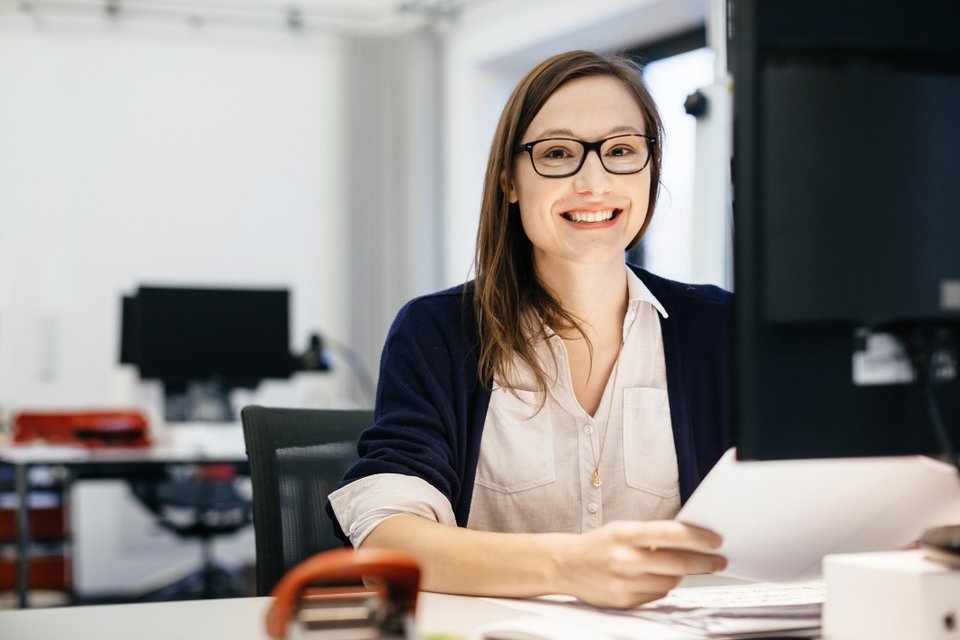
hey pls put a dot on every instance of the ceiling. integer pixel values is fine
(306, 15)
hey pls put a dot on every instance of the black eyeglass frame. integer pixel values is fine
(596, 145)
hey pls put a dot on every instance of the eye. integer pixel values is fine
(555, 152)
(621, 151)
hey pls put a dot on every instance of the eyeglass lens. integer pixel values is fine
(561, 156)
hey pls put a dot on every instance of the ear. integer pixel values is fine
(511, 192)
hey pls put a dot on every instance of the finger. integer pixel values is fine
(654, 584)
(670, 562)
(667, 534)
(626, 593)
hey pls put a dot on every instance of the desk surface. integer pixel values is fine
(230, 619)
(243, 619)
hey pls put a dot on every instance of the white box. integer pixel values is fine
(896, 595)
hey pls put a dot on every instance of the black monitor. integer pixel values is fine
(213, 338)
(847, 218)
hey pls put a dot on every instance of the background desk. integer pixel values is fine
(91, 464)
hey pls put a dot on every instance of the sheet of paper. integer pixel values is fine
(751, 595)
(779, 518)
(570, 611)
(696, 612)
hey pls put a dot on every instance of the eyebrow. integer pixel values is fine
(549, 133)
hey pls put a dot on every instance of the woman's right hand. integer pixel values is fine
(626, 563)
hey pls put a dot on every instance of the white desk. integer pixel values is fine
(103, 463)
(243, 619)
(230, 619)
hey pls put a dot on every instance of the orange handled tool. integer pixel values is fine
(368, 593)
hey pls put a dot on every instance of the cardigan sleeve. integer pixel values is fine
(416, 431)
(362, 505)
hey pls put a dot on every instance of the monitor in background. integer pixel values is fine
(203, 342)
(847, 217)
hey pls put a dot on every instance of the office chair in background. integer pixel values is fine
(297, 457)
(198, 502)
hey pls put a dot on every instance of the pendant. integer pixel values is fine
(596, 481)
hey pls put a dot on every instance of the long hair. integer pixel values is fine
(513, 310)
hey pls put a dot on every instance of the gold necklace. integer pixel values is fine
(596, 479)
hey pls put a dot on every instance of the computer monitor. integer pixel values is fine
(208, 338)
(847, 226)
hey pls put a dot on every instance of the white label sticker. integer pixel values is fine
(950, 295)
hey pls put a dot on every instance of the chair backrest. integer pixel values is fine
(297, 458)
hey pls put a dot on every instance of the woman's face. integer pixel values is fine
(591, 216)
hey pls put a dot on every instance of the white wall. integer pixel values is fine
(393, 125)
(179, 157)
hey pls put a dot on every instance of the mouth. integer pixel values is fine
(591, 217)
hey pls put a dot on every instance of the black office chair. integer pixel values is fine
(199, 502)
(297, 458)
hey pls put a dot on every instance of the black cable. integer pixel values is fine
(938, 423)
(937, 365)
(360, 371)
(934, 362)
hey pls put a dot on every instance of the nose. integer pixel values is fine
(592, 177)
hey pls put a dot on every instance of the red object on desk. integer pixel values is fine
(93, 429)
(326, 589)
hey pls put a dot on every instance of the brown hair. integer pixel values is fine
(513, 309)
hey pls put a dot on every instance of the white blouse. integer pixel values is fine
(535, 468)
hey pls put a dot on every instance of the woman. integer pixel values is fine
(525, 441)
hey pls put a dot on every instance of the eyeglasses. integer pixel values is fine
(563, 157)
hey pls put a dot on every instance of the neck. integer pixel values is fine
(596, 293)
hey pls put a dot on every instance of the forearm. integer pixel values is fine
(463, 561)
(621, 564)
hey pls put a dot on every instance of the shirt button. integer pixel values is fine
(588, 429)
(592, 507)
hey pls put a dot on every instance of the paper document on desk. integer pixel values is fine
(730, 611)
(740, 610)
(779, 518)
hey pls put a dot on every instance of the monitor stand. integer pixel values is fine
(197, 401)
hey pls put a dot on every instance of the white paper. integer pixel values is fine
(751, 595)
(779, 518)
(686, 613)
(569, 611)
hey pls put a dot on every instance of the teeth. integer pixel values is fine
(590, 216)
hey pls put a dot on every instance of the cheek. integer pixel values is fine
(535, 211)
(642, 199)
(538, 226)
(536, 197)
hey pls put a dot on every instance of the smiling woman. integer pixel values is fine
(536, 429)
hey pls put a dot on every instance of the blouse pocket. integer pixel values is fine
(516, 452)
(649, 454)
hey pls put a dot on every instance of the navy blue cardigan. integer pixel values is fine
(430, 406)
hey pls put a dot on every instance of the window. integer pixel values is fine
(674, 68)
